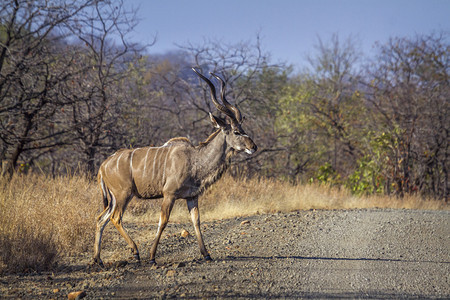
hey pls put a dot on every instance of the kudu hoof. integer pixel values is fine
(137, 257)
(207, 258)
(152, 262)
(98, 262)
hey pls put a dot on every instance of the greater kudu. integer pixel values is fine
(175, 170)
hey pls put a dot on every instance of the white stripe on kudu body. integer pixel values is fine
(155, 159)
(118, 160)
(145, 162)
(165, 165)
(131, 158)
(178, 169)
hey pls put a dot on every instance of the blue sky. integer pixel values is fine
(288, 28)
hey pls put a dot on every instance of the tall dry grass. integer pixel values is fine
(44, 219)
(231, 197)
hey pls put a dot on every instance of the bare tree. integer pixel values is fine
(102, 30)
(33, 63)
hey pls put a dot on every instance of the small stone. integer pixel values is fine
(184, 233)
(55, 291)
(245, 222)
(170, 273)
(76, 295)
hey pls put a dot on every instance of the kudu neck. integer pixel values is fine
(214, 152)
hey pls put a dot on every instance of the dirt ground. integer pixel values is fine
(376, 253)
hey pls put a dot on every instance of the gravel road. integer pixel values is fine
(376, 253)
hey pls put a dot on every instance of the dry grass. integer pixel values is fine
(231, 197)
(43, 219)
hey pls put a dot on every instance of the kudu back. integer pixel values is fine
(176, 170)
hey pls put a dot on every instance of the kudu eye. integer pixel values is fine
(237, 132)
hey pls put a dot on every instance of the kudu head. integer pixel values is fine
(235, 136)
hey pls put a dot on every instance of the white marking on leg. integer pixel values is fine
(111, 208)
(159, 226)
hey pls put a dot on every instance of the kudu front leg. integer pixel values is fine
(166, 208)
(192, 204)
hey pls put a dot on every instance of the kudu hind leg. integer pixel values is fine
(192, 205)
(166, 208)
(102, 220)
(117, 221)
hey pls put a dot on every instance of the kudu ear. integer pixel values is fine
(217, 122)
